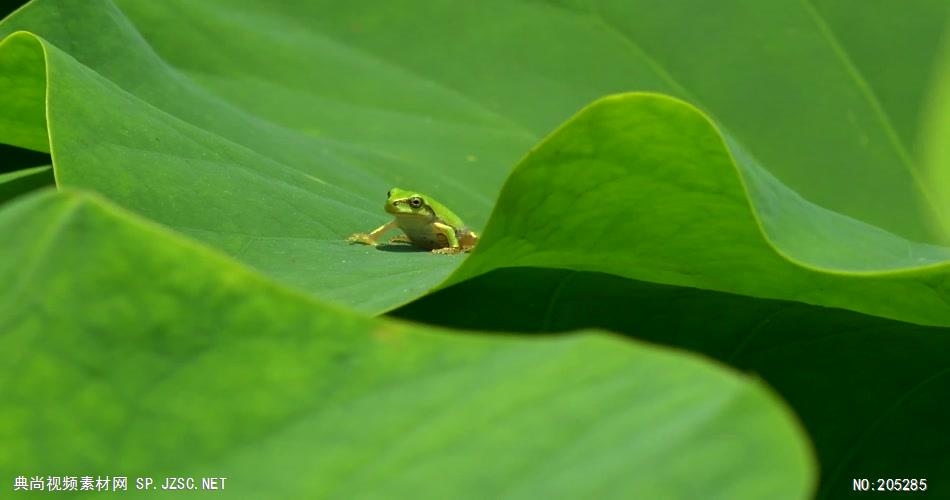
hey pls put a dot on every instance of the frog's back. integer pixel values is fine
(445, 215)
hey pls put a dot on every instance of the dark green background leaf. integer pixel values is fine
(870, 391)
(19, 182)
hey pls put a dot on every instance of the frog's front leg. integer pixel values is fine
(373, 237)
(446, 233)
(400, 239)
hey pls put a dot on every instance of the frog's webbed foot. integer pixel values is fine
(361, 238)
(400, 239)
(447, 250)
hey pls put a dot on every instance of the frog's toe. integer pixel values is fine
(361, 238)
(447, 250)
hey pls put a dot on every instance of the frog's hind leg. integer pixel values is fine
(468, 239)
(446, 236)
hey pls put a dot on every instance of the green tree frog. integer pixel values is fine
(425, 222)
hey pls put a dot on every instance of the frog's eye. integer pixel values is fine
(415, 202)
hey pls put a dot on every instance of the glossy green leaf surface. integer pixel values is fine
(934, 144)
(210, 369)
(689, 221)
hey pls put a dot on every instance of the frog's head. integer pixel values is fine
(400, 202)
